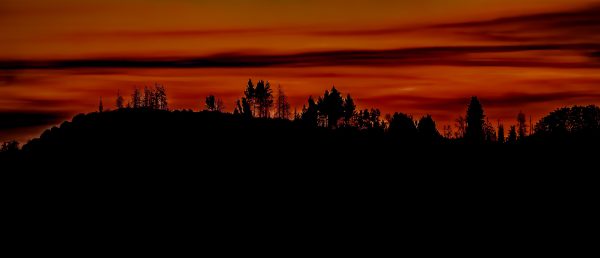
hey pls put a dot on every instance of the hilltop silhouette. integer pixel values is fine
(329, 130)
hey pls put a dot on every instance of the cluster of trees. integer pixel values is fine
(580, 122)
(476, 128)
(214, 104)
(257, 100)
(332, 110)
(150, 98)
(404, 128)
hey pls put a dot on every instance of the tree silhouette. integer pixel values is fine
(577, 123)
(237, 110)
(512, 134)
(283, 106)
(331, 107)
(521, 126)
(500, 133)
(263, 98)
(475, 122)
(427, 130)
(368, 119)
(136, 98)
(461, 126)
(148, 98)
(250, 93)
(349, 110)
(489, 132)
(243, 108)
(310, 114)
(100, 106)
(119, 101)
(374, 119)
(402, 127)
(160, 95)
(211, 103)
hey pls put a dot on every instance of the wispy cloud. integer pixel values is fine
(580, 25)
(576, 25)
(188, 33)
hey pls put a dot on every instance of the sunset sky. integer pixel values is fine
(57, 57)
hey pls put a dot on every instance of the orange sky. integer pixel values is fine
(415, 56)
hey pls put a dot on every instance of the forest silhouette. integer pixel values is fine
(262, 126)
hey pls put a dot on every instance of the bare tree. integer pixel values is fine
(160, 96)
(447, 131)
(219, 106)
(461, 127)
(521, 126)
(148, 99)
(136, 98)
(283, 107)
(489, 132)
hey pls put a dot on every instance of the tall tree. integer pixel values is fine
(249, 94)
(120, 100)
(310, 114)
(521, 126)
(246, 108)
(500, 133)
(349, 109)
(263, 98)
(136, 98)
(160, 96)
(100, 106)
(475, 122)
(283, 106)
(147, 99)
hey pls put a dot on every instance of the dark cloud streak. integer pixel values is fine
(579, 25)
(448, 56)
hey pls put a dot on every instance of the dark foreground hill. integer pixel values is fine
(212, 141)
(229, 172)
